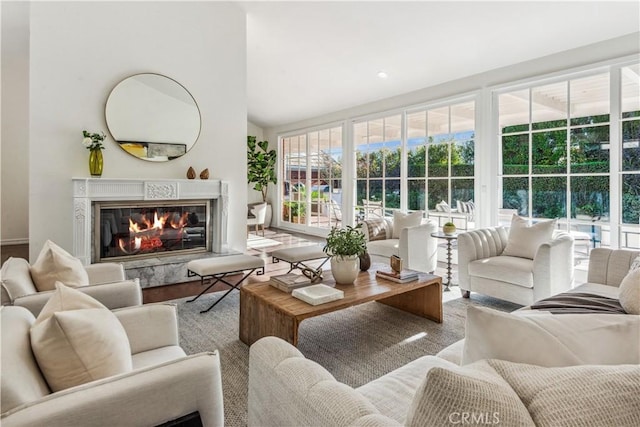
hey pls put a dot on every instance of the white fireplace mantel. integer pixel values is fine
(89, 190)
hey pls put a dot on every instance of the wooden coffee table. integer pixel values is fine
(267, 311)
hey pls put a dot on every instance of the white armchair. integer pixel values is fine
(258, 216)
(414, 245)
(482, 268)
(107, 284)
(165, 385)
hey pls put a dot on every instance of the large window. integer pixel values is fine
(630, 155)
(440, 156)
(378, 150)
(312, 178)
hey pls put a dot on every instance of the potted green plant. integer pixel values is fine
(261, 169)
(344, 246)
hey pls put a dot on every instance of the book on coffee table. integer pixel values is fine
(289, 282)
(404, 276)
(318, 294)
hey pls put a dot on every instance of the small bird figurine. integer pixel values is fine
(204, 174)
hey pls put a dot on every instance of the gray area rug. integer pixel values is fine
(356, 345)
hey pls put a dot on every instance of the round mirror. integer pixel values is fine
(152, 117)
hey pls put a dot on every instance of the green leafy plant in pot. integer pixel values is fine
(449, 228)
(261, 165)
(345, 246)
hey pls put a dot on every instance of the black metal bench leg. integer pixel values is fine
(233, 286)
(208, 287)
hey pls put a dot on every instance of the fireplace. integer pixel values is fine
(126, 231)
(101, 201)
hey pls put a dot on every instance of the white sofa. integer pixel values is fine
(415, 245)
(482, 268)
(164, 385)
(285, 388)
(107, 284)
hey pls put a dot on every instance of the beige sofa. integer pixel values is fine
(107, 284)
(285, 388)
(164, 385)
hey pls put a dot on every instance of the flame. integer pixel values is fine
(146, 234)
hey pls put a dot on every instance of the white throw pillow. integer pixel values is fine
(635, 265)
(402, 220)
(75, 340)
(630, 292)
(524, 240)
(54, 264)
(551, 339)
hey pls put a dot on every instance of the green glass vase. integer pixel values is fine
(95, 163)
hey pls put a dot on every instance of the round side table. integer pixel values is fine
(449, 238)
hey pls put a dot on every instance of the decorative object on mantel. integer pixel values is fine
(93, 143)
(191, 173)
(449, 228)
(204, 174)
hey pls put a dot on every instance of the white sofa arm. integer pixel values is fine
(150, 326)
(112, 295)
(553, 267)
(478, 244)
(105, 273)
(149, 396)
(285, 389)
(418, 248)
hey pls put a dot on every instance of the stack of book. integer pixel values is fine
(402, 277)
(289, 282)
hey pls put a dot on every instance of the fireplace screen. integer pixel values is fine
(145, 229)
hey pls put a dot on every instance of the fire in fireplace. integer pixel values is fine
(126, 231)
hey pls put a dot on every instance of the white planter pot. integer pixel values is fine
(345, 270)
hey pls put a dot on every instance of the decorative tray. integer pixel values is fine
(318, 294)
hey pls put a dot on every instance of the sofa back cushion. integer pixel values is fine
(54, 264)
(471, 395)
(16, 278)
(576, 395)
(21, 379)
(609, 266)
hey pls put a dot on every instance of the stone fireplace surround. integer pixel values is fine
(152, 271)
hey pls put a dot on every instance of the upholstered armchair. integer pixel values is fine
(484, 268)
(164, 385)
(258, 216)
(107, 283)
(409, 239)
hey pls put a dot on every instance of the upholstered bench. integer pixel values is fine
(219, 267)
(297, 257)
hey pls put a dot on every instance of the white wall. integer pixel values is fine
(14, 179)
(81, 50)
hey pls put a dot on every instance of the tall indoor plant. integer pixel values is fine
(261, 165)
(344, 246)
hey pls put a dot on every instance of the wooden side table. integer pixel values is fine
(449, 238)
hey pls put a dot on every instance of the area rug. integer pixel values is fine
(356, 345)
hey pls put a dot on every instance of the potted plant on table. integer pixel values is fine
(261, 169)
(344, 246)
(449, 228)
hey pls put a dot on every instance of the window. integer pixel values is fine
(312, 172)
(630, 156)
(440, 156)
(555, 149)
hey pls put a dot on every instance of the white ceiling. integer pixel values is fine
(307, 59)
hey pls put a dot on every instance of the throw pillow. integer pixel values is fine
(75, 340)
(376, 229)
(635, 265)
(524, 240)
(54, 264)
(16, 279)
(551, 339)
(451, 395)
(630, 292)
(576, 395)
(402, 220)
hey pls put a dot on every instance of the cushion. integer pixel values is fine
(630, 292)
(376, 229)
(576, 395)
(635, 265)
(402, 220)
(385, 248)
(443, 207)
(524, 240)
(551, 339)
(75, 340)
(448, 394)
(54, 264)
(512, 270)
(16, 278)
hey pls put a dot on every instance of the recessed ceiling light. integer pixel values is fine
(382, 75)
